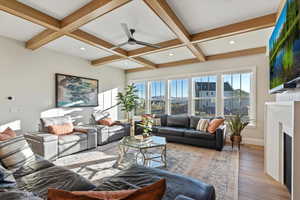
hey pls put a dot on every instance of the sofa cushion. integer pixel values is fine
(50, 121)
(178, 121)
(74, 137)
(15, 152)
(7, 180)
(115, 128)
(138, 176)
(18, 195)
(182, 197)
(170, 131)
(194, 121)
(61, 129)
(53, 177)
(199, 134)
(151, 192)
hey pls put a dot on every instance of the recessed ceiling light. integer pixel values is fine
(171, 54)
(82, 48)
(231, 42)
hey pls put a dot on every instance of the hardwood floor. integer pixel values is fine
(254, 184)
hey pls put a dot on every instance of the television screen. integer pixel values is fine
(284, 46)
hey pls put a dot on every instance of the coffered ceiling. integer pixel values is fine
(188, 31)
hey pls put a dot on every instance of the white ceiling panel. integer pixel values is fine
(70, 46)
(56, 8)
(125, 64)
(201, 15)
(137, 15)
(238, 42)
(17, 28)
(170, 55)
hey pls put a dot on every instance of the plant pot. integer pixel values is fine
(236, 139)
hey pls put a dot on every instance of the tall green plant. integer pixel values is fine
(236, 124)
(128, 99)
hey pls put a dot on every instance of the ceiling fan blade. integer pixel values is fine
(148, 44)
(126, 30)
(119, 45)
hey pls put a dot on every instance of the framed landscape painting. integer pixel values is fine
(74, 91)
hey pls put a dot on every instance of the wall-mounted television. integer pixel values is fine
(284, 49)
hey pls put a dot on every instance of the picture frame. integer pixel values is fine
(75, 91)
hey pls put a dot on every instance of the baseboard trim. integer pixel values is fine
(253, 141)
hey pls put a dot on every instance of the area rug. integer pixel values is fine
(217, 168)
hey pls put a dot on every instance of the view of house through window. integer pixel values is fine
(157, 97)
(179, 90)
(174, 96)
(236, 94)
(205, 96)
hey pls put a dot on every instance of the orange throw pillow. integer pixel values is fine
(214, 124)
(106, 122)
(151, 192)
(7, 134)
(61, 129)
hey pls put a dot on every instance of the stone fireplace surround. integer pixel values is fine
(280, 118)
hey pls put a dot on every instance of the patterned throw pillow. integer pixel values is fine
(15, 152)
(61, 129)
(7, 134)
(202, 125)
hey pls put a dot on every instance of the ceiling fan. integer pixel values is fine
(131, 40)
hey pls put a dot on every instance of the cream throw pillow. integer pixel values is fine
(202, 125)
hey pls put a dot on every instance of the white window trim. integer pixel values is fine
(219, 90)
(193, 97)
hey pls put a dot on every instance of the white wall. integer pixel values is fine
(253, 135)
(29, 76)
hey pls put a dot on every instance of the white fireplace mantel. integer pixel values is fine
(280, 118)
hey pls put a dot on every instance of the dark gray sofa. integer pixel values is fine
(182, 129)
(39, 175)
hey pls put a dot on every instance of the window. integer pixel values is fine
(157, 97)
(141, 93)
(236, 94)
(204, 96)
(179, 96)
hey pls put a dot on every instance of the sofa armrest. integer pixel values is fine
(91, 133)
(220, 137)
(43, 144)
(41, 136)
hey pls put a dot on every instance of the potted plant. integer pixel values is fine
(236, 125)
(146, 124)
(129, 102)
